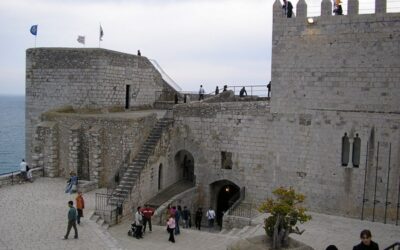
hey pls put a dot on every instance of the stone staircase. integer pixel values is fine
(107, 204)
(134, 169)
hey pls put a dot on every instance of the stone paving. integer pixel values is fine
(33, 216)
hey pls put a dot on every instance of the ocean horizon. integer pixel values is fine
(12, 132)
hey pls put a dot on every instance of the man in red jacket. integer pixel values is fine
(147, 213)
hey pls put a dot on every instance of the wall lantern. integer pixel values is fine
(311, 20)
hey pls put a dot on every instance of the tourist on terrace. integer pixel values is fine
(201, 93)
(211, 217)
(269, 89)
(138, 224)
(171, 228)
(71, 220)
(72, 183)
(186, 217)
(243, 92)
(225, 88)
(178, 214)
(80, 205)
(216, 90)
(288, 8)
(199, 216)
(366, 242)
(22, 168)
(147, 213)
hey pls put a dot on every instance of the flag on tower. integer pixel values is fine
(34, 29)
(101, 34)
(81, 39)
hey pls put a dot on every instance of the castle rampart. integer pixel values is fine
(86, 79)
(348, 62)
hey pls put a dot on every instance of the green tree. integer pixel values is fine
(285, 214)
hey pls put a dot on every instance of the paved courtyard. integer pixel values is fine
(33, 216)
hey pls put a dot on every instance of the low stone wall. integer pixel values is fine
(262, 242)
(15, 177)
(230, 221)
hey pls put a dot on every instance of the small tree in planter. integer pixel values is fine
(285, 213)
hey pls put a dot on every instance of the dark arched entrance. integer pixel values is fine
(226, 193)
(185, 165)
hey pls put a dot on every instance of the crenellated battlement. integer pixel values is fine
(327, 8)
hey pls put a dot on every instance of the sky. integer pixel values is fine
(208, 42)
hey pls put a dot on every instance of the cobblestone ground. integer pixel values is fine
(33, 216)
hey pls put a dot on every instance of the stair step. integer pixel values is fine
(105, 226)
(224, 231)
(100, 221)
(233, 231)
(243, 230)
(95, 218)
(120, 190)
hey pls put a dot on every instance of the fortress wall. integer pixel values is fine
(118, 137)
(337, 63)
(85, 78)
(270, 150)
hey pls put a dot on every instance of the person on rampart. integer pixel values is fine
(243, 92)
(201, 93)
(337, 9)
(80, 205)
(71, 220)
(269, 89)
(147, 212)
(225, 88)
(216, 90)
(139, 53)
(288, 8)
(23, 169)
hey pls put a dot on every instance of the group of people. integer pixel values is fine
(75, 214)
(288, 8)
(242, 92)
(142, 218)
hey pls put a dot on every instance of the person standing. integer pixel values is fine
(138, 223)
(178, 214)
(201, 93)
(211, 217)
(337, 9)
(171, 228)
(269, 89)
(199, 216)
(147, 213)
(71, 220)
(186, 217)
(288, 8)
(80, 205)
(216, 90)
(366, 242)
(22, 168)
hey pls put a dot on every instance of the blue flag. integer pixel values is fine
(34, 29)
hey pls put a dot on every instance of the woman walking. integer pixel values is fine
(171, 228)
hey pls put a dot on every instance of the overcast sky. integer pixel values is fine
(196, 42)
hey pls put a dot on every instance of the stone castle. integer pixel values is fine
(331, 129)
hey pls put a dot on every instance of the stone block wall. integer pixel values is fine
(270, 150)
(95, 145)
(85, 78)
(348, 62)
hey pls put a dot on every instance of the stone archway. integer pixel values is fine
(224, 194)
(184, 163)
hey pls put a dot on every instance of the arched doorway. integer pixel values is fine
(225, 193)
(184, 162)
(160, 176)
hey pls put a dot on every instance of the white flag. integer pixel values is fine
(81, 39)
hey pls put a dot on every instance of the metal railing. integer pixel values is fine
(109, 213)
(10, 175)
(393, 246)
(236, 200)
(245, 210)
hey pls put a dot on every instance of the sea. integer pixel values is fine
(12, 132)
